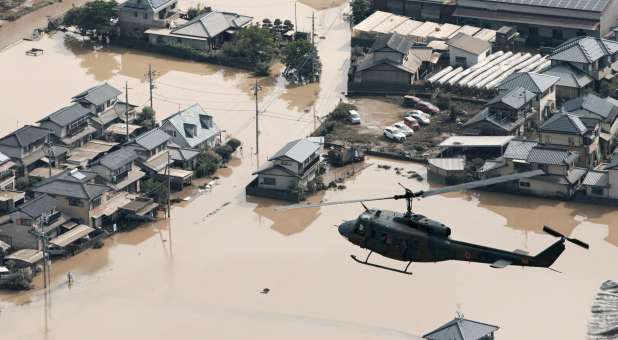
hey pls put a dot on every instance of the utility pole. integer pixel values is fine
(151, 86)
(38, 231)
(295, 19)
(256, 89)
(314, 118)
(126, 106)
(313, 53)
(50, 151)
(169, 185)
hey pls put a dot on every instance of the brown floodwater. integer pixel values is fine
(199, 274)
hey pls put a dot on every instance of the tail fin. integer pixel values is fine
(548, 256)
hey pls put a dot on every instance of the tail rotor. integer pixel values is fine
(575, 241)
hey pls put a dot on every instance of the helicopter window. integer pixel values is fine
(361, 229)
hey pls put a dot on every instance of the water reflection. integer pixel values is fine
(100, 64)
(286, 222)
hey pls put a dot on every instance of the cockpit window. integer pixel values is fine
(361, 229)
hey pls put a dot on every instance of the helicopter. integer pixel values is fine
(413, 237)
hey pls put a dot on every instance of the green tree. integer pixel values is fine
(361, 9)
(94, 19)
(155, 189)
(233, 143)
(147, 118)
(225, 151)
(207, 163)
(301, 56)
(253, 43)
(193, 12)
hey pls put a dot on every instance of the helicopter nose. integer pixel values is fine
(345, 229)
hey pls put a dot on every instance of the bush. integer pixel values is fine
(147, 118)
(20, 280)
(233, 143)
(262, 69)
(207, 163)
(157, 190)
(23, 183)
(342, 111)
(225, 151)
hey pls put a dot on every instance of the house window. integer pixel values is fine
(461, 61)
(571, 141)
(547, 139)
(74, 202)
(524, 184)
(269, 181)
(96, 202)
(596, 190)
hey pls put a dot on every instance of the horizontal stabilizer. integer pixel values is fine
(500, 264)
(520, 252)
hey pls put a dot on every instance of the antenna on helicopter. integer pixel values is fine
(409, 195)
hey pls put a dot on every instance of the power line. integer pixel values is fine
(200, 91)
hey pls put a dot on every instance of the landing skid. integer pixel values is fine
(367, 263)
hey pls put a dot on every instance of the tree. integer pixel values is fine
(207, 163)
(225, 151)
(254, 44)
(233, 143)
(155, 189)
(147, 118)
(301, 56)
(193, 12)
(94, 19)
(288, 25)
(342, 111)
(361, 9)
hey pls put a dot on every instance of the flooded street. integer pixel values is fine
(199, 274)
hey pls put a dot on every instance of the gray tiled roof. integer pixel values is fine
(151, 139)
(596, 178)
(195, 115)
(395, 41)
(98, 95)
(613, 163)
(533, 82)
(504, 122)
(37, 206)
(580, 5)
(516, 98)
(211, 24)
(469, 43)
(411, 65)
(143, 4)
(461, 329)
(564, 123)
(118, 158)
(182, 154)
(584, 50)
(569, 76)
(519, 149)
(298, 150)
(592, 104)
(74, 184)
(545, 155)
(24, 136)
(67, 115)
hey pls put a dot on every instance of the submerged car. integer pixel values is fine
(394, 134)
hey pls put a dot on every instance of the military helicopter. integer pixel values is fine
(412, 237)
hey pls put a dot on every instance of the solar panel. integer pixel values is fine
(584, 5)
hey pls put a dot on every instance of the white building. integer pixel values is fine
(465, 50)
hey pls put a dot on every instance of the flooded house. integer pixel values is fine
(603, 183)
(183, 158)
(192, 128)
(69, 126)
(117, 169)
(570, 132)
(389, 63)
(543, 86)
(7, 173)
(136, 16)
(25, 147)
(462, 329)
(572, 82)
(604, 110)
(204, 32)
(289, 172)
(465, 50)
(105, 107)
(510, 113)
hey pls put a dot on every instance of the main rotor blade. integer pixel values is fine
(482, 183)
(317, 205)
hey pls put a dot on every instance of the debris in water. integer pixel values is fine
(265, 291)
(215, 211)
(604, 322)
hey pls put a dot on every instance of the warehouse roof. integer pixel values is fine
(469, 43)
(580, 5)
(476, 141)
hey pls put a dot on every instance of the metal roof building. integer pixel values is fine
(462, 329)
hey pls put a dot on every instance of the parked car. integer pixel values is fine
(411, 101)
(422, 118)
(354, 117)
(428, 107)
(412, 123)
(403, 128)
(394, 134)
(413, 111)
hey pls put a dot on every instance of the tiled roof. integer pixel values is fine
(39, 205)
(67, 115)
(118, 158)
(469, 43)
(395, 41)
(73, 184)
(298, 150)
(584, 50)
(211, 24)
(411, 65)
(143, 4)
(98, 95)
(533, 82)
(569, 76)
(519, 149)
(461, 329)
(151, 139)
(580, 5)
(596, 178)
(196, 116)
(544, 155)
(24, 136)
(592, 104)
(515, 98)
(504, 122)
(564, 123)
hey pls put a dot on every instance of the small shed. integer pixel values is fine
(465, 50)
(440, 169)
(25, 257)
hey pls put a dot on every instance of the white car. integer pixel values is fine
(394, 134)
(403, 128)
(422, 118)
(354, 117)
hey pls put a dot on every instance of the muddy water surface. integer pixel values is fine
(199, 274)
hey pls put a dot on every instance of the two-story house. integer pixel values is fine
(570, 132)
(136, 16)
(22, 227)
(69, 126)
(117, 170)
(509, 113)
(77, 195)
(151, 150)
(291, 169)
(7, 173)
(105, 107)
(595, 57)
(605, 110)
(390, 62)
(192, 128)
(25, 147)
(543, 86)
(603, 183)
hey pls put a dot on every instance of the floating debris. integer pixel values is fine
(604, 322)
(265, 291)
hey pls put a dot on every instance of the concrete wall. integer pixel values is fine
(202, 45)
(281, 182)
(471, 58)
(384, 74)
(544, 188)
